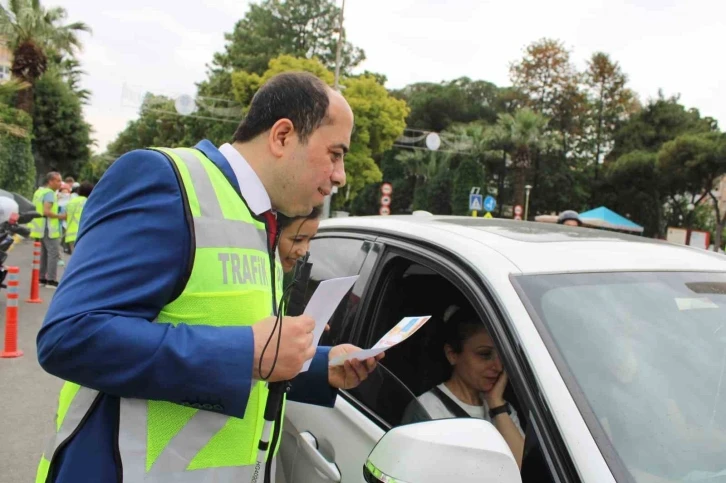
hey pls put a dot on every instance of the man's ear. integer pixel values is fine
(281, 135)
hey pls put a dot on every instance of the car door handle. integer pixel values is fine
(310, 446)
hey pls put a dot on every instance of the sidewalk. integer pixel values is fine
(28, 395)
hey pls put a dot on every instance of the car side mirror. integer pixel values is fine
(464, 450)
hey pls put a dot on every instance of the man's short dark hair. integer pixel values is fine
(298, 96)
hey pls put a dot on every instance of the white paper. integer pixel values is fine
(323, 303)
(404, 329)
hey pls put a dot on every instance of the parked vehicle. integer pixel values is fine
(11, 225)
(615, 348)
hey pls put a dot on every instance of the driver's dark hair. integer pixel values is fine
(285, 221)
(462, 325)
(298, 96)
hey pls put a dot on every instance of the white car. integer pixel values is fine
(615, 348)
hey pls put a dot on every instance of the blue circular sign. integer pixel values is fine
(490, 203)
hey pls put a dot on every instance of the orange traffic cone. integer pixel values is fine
(11, 316)
(35, 279)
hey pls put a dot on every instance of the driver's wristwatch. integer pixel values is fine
(504, 408)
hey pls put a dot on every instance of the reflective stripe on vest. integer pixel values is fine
(74, 208)
(74, 402)
(231, 284)
(37, 225)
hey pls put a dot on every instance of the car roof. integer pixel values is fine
(534, 247)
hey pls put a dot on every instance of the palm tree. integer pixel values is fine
(522, 134)
(6, 90)
(33, 34)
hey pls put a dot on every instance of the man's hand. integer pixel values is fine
(351, 373)
(296, 347)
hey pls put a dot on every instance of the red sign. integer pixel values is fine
(386, 189)
(385, 200)
(518, 210)
(384, 210)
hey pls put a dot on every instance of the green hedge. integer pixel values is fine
(17, 167)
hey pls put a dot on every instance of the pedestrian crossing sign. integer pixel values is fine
(475, 202)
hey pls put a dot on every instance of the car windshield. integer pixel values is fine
(644, 356)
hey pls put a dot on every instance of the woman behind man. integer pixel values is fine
(476, 385)
(295, 236)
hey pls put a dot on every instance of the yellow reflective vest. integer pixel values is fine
(160, 441)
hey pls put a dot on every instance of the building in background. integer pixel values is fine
(6, 59)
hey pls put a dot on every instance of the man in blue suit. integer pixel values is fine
(138, 241)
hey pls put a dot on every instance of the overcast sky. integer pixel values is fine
(163, 46)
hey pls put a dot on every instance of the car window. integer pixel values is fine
(334, 257)
(417, 365)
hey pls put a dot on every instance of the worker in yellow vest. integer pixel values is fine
(167, 325)
(74, 208)
(47, 229)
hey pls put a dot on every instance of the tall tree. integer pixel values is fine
(34, 33)
(611, 102)
(61, 137)
(661, 120)
(632, 185)
(524, 133)
(550, 85)
(692, 164)
(300, 28)
(436, 107)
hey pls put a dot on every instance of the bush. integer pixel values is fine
(17, 167)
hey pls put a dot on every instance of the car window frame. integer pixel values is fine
(478, 289)
(360, 284)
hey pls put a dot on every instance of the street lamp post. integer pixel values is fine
(527, 189)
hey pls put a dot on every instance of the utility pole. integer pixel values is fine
(336, 85)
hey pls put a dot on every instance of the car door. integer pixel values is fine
(322, 444)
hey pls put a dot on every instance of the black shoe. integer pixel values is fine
(43, 282)
(52, 284)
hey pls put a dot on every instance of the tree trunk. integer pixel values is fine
(24, 100)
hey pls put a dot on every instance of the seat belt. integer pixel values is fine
(450, 404)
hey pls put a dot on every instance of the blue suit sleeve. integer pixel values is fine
(131, 253)
(312, 386)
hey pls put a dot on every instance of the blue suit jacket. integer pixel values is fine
(131, 253)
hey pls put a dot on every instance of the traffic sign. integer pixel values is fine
(490, 203)
(386, 188)
(384, 210)
(385, 200)
(518, 210)
(475, 202)
(488, 215)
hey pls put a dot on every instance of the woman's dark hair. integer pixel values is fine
(464, 323)
(85, 189)
(285, 221)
